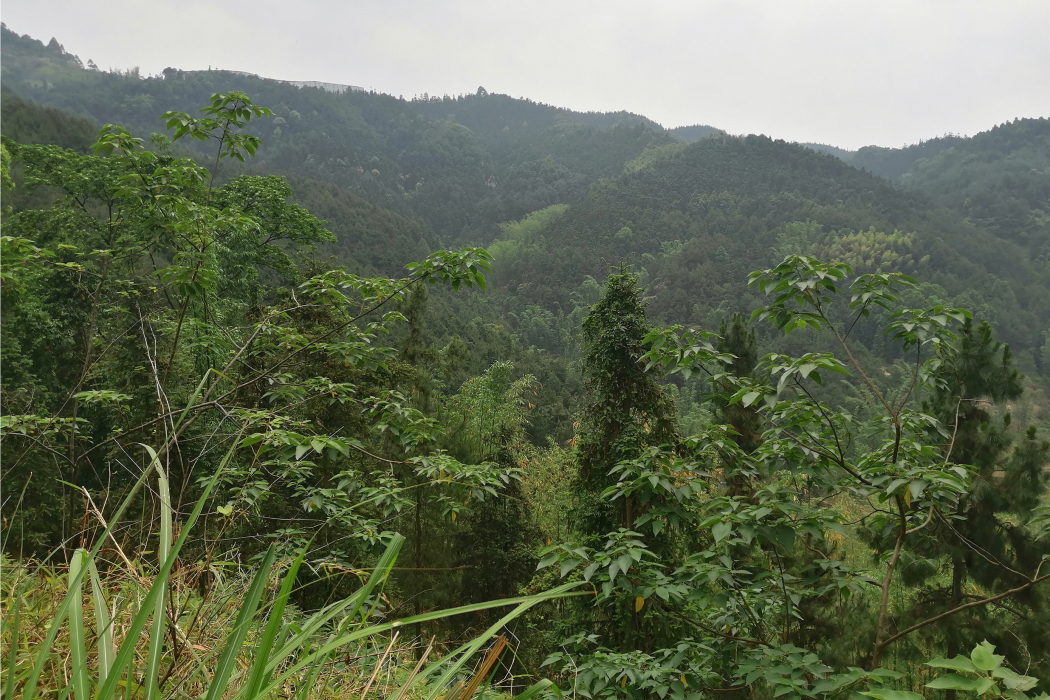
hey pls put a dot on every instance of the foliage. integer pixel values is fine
(276, 647)
(809, 504)
(756, 572)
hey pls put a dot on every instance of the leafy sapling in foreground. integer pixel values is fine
(754, 576)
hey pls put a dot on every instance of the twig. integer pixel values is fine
(379, 665)
(974, 604)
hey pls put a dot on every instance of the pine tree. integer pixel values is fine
(986, 543)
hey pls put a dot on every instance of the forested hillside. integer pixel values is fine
(698, 220)
(462, 165)
(318, 395)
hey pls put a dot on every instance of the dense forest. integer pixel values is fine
(315, 394)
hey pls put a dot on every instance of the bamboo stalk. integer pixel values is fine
(415, 671)
(486, 666)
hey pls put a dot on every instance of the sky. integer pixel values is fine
(843, 72)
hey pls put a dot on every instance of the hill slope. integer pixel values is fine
(460, 164)
(999, 179)
(699, 220)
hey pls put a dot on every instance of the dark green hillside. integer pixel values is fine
(893, 162)
(689, 134)
(462, 165)
(999, 179)
(698, 221)
(26, 122)
(366, 234)
(842, 153)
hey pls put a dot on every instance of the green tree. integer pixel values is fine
(626, 411)
(760, 591)
(984, 537)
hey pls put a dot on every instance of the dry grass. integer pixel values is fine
(198, 627)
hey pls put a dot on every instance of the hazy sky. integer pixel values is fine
(844, 72)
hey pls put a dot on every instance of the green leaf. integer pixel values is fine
(13, 622)
(983, 658)
(721, 530)
(568, 565)
(265, 646)
(959, 663)
(104, 646)
(953, 681)
(547, 560)
(239, 633)
(160, 617)
(888, 694)
(984, 685)
(78, 651)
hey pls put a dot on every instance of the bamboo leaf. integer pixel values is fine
(12, 656)
(43, 649)
(138, 622)
(160, 618)
(522, 603)
(103, 623)
(77, 646)
(265, 646)
(240, 628)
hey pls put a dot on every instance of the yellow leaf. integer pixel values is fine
(638, 603)
(623, 683)
(907, 496)
(683, 679)
(453, 516)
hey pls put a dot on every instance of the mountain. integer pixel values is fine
(698, 220)
(842, 153)
(999, 179)
(26, 122)
(891, 163)
(461, 165)
(688, 134)
(693, 207)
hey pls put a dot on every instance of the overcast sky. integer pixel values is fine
(844, 72)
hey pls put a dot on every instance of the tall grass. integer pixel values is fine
(246, 642)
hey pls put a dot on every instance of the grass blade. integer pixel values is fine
(160, 618)
(317, 621)
(415, 671)
(43, 649)
(303, 691)
(240, 629)
(77, 645)
(12, 657)
(473, 646)
(193, 399)
(265, 646)
(523, 603)
(534, 689)
(379, 665)
(102, 623)
(138, 622)
(280, 642)
(490, 660)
